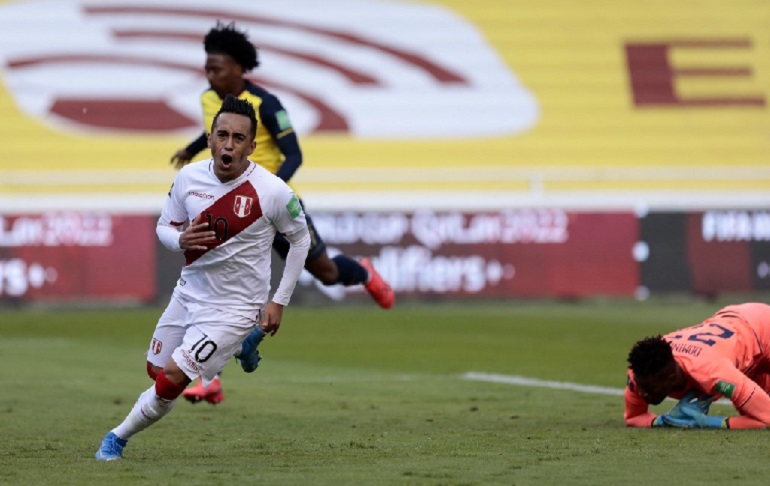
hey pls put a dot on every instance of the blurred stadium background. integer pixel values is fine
(476, 150)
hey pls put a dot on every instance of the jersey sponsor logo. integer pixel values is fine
(406, 69)
(725, 388)
(294, 207)
(242, 206)
(156, 346)
(201, 195)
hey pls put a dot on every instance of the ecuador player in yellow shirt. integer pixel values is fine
(726, 355)
(229, 56)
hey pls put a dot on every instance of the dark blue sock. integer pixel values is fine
(350, 271)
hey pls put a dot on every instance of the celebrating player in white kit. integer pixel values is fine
(234, 208)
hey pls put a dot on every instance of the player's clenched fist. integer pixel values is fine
(196, 235)
(271, 319)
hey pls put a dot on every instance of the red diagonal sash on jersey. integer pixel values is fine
(228, 216)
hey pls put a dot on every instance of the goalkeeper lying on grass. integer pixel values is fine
(726, 355)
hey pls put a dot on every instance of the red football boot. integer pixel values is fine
(377, 287)
(212, 393)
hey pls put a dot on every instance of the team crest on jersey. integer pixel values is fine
(242, 206)
(156, 346)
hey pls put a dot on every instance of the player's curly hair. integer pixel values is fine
(650, 356)
(231, 104)
(226, 39)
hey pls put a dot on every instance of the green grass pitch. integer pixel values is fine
(356, 395)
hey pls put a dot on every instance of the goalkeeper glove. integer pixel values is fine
(698, 421)
(659, 422)
(690, 413)
(690, 400)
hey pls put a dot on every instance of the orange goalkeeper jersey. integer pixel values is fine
(726, 355)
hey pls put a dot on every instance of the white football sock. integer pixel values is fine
(148, 409)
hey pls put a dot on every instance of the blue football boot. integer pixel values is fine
(250, 357)
(111, 448)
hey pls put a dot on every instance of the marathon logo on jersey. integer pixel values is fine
(156, 346)
(725, 388)
(242, 206)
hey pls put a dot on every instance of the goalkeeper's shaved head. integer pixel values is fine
(650, 356)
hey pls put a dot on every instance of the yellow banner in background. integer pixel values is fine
(557, 97)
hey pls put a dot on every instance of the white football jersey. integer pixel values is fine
(233, 274)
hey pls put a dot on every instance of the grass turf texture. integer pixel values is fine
(361, 396)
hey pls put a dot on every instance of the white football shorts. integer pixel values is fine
(200, 340)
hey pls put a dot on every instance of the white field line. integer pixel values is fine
(554, 385)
